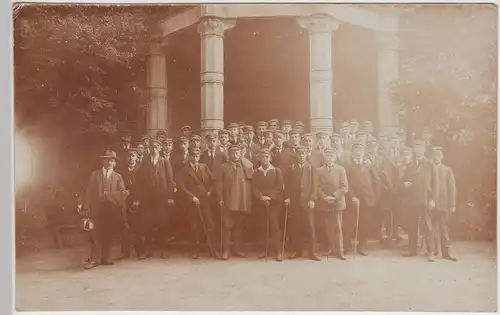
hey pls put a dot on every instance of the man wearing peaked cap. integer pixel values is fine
(195, 141)
(186, 131)
(179, 155)
(281, 157)
(268, 139)
(252, 149)
(196, 185)
(317, 158)
(364, 184)
(343, 154)
(145, 140)
(294, 141)
(286, 126)
(268, 190)
(261, 127)
(224, 140)
(445, 204)
(235, 198)
(330, 203)
(234, 130)
(141, 152)
(421, 185)
(161, 135)
(105, 194)
(212, 156)
(353, 128)
(299, 126)
(300, 196)
(345, 133)
(368, 127)
(273, 124)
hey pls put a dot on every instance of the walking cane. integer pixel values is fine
(205, 229)
(357, 229)
(267, 228)
(221, 225)
(284, 231)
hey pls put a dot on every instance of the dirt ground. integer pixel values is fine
(383, 281)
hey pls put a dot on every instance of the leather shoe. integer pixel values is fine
(314, 257)
(90, 264)
(341, 257)
(145, 256)
(106, 262)
(225, 256)
(279, 257)
(295, 255)
(362, 252)
(449, 257)
(237, 253)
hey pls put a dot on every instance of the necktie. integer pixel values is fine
(211, 159)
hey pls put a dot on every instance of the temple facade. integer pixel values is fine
(320, 21)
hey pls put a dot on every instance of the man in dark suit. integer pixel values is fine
(420, 179)
(331, 187)
(281, 157)
(130, 236)
(145, 140)
(196, 183)
(104, 198)
(445, 203)
(168, 147)
(156, 184)
(180, 154)
(300, 195)
(212, 157)
(161, 135)
(267, 185)
(286, 127)
(363, 185)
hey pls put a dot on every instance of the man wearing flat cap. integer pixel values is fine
(274, 124)
(196, 184)
(187, 131)
(268, 191)
(157, 189)
(445, 203)
(300, 179)
(234, 131)
(130, 236)
(104, 198)
(331, 187)
(268, 140)
(234, 192)
(294, 141)
(420, 179)
(317, 156)
(364, 184)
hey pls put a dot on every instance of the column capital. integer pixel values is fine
(215, 26)
(318, 23)
(388, 41)
(157, 47)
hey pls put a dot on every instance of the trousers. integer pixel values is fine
(415, 213)
(332, 221)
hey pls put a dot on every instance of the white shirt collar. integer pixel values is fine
(271, 167)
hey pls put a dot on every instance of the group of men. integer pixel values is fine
(293, 181)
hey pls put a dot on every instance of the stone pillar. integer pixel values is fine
(388, 74)
(320, 27)
(212, 30)
(157, 86)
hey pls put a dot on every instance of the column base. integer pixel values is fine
(210, 126)
(321, 124)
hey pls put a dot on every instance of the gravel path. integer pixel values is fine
(383, 281)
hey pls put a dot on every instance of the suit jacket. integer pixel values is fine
(156, 180)
(195, 184)
(121, 152)
(94, 191)
(282, 159)
(331, 182)
(131, 184)
(252, 154)
(363, 183)
(268, 184)
(235, 192)
(300, 184)
(447, 190)
(177, 160)
(424, 182)
(215, 163)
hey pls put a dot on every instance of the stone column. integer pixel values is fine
(212, 31)
(388, 74)
(157, 86)
(320, 27)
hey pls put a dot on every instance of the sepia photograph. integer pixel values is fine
(255, 156)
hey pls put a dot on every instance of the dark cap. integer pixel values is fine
(279, 133)
(156, 141)
(145, 137)
(169, 141)
(248, 128)
(194, 150)
(274, 120)
(233, 125)
(131, 151)
(358, 145)
(234, 147)
(307, 136)
(286, 122)
(183, 139)
(223, 132)
(265, 151)
(186, 127)
(300, 149)
(267, 131)
(321, 134)
(211, 136)
(161, 133)
(329, 150)
(294, 131)
(195, 138)
(336, 136)
(262, 124)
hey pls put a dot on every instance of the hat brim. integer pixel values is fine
(109, 157)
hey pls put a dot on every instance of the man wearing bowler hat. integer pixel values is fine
(104, 203)
(234, 192)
